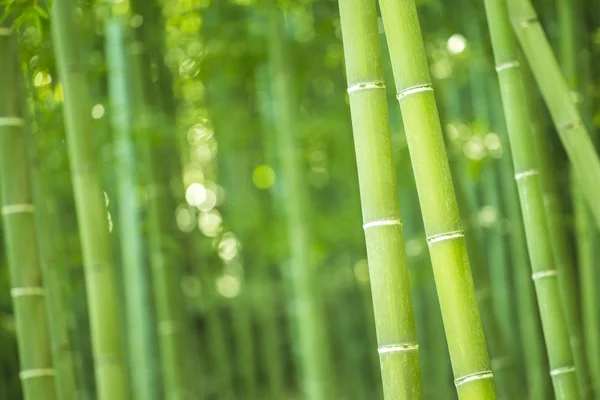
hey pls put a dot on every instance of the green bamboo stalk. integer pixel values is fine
(556, 93)
(52, 259)
(531, 340)
(138, 309)
(392, 303)
(445, 237)
(165, 275)
(584, 232)
(562, 369)
(315, 363)
(106, 330)
(27, 291)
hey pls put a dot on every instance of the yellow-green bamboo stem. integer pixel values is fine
(394, 319)
(445, 237)
(27, 290)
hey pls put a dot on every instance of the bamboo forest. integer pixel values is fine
(300, 199)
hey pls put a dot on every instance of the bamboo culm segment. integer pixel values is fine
(544, 271)
(28, 296)
(456, 292)
(135, 277)
(105, 321)
(392, 303)
(557, 96)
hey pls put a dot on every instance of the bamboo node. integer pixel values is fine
(445, 236)
(36, 373)
(17, 209)
(427, 87)
(26, 291)
(12, 121)
(410, 346)
(570, 126)
(382, 222)
(473, 377)
(507, 65)
(366, 86)
(168, 327)
(562, 370)
(544, 274)
(528, 22)
(526, 174)
(5, 32)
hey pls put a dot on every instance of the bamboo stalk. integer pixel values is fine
(556, 93)
(106, 330)
(562, 369)
(315, 363)
(170, 321)
(138, 308)
(445, 237)
(569, 59)
(27, 291)
(394, 319)
(52, 259)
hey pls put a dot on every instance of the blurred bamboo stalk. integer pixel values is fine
(106, 326)
(138, 308)
(315, 364)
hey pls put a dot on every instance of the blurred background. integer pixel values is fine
(240, 196)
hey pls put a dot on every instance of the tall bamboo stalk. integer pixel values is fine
(165, 273)
(445, 237)
(315, 364)
(556, 93)
(138, 309)
(27, 291)
(106, 330)
(392, 303)
(554, 321)
(52, 260)
(570, 61)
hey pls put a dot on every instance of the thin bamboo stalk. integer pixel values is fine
(138, 308)
(584, 232)
(170, 322)
(556, 93)
(445, 237)
(106, 330)
(27, 290)
(315, 363)
(562, 369)
(392, 303)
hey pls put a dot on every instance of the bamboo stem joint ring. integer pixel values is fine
(382, 222)
(26, 291)
(526, 174)
(414, 90)
(36, 373)
(473, 377)
(507, 65)
(17, 209)
(398, 347)
(445, 236)
(366, 86)
(544, 274)
(562, 370)
(11, 121)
